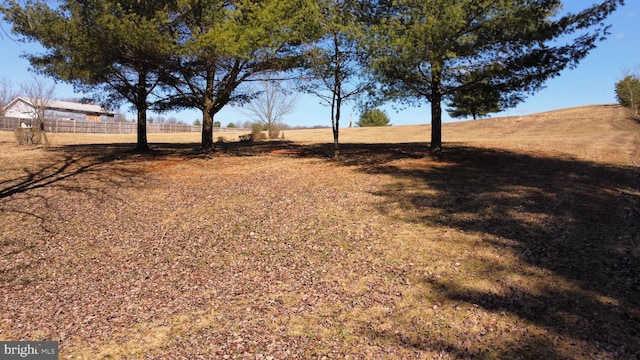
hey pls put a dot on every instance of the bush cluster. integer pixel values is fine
(256, 133)
(30, 136)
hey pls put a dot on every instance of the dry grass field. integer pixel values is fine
(521, 242)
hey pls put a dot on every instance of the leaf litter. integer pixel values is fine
(279, 257)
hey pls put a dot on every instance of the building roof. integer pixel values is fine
(65, 106)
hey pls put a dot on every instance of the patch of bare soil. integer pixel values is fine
(277, 251)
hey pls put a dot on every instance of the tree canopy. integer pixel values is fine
(477, 100)
(222, 45)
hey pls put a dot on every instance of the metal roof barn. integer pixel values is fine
(25, 108)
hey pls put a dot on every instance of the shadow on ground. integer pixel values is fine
(577, 220)
(574, 219)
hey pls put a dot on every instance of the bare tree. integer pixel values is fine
(40, 94)
(7, 93)
(271, 104)
(120, 117)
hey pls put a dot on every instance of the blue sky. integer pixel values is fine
(592, 82)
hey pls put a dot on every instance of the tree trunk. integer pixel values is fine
(42, 133)
(336, 125)
(207, 130)
(436, 125)
(336, 130)
(207, 113)
(336, 102)
(141, 108)
(436, 111)
(142, 144)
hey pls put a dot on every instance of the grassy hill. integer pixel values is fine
(596, 132)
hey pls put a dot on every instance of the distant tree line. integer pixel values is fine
(476, 57)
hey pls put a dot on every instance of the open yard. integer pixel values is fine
(521, 242)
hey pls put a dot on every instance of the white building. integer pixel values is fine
(24, 108)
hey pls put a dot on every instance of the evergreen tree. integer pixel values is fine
(222, 45)
(476, 101)
(373, 117)
(112, 49)
(431, 50)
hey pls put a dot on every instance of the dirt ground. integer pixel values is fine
(521, 242)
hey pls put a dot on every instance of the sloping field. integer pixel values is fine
(521, 242)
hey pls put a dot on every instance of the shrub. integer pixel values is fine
(256, 133)
(31, 136)
(259, 136)
(274, 131)
(21, 136)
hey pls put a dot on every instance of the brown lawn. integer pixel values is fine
(522, 242)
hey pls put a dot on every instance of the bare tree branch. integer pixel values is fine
(40, 94)
(7, 93)
(272, 103)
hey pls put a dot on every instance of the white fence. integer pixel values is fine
(96, 127)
